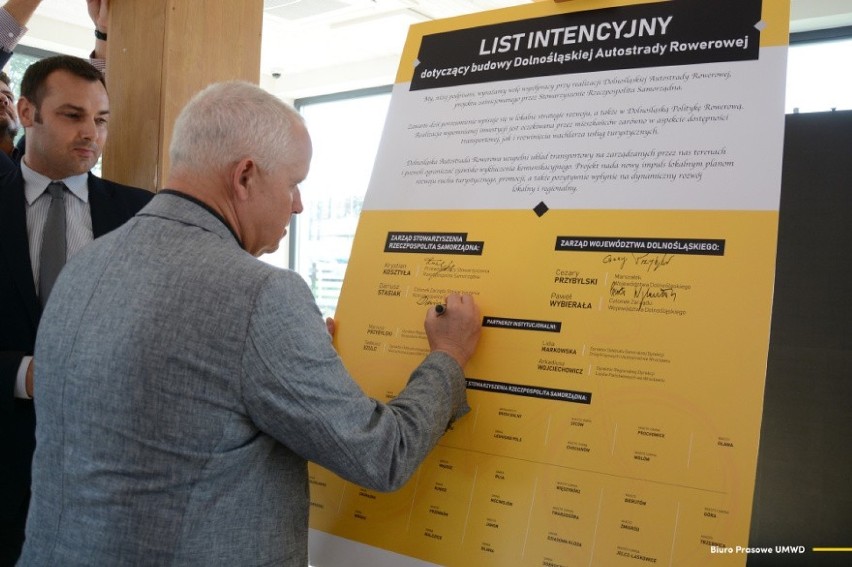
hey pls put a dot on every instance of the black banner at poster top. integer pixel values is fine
(676, 32)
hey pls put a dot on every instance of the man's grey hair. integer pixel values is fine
(231, 121)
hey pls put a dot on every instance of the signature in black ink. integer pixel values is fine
(651, 262)
(619, 260)
(646, 292)
(436, 266)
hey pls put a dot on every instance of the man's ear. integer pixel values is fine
(243, 175)
(26, 112)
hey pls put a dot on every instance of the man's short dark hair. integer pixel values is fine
(5, 78)
(35, 77)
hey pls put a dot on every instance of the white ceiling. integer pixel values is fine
(327, 46)
(346, 43)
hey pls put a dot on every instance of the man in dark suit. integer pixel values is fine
(65, 110)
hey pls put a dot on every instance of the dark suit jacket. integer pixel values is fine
(10, 162)
(7, 163)
(111, 205)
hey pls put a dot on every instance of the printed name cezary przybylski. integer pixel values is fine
(580, 34)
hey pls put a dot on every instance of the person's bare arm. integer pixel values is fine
(99, 13)
(21, 10)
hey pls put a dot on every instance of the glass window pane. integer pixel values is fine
(818, 78)
(345, 135)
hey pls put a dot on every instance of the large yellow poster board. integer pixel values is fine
(604, 177)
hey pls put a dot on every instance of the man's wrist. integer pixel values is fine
(101, 35)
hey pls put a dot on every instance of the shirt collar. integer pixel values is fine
(35, 184)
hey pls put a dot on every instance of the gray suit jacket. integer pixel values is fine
(182, 385)
(110, 204)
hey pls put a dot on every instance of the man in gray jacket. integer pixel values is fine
(182, 385)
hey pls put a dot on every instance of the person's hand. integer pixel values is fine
(456, 330)
(99, 13)
(29, 379)
(329, 324)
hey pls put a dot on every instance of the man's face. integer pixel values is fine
(65, 136)
(8, 116)
(275, 197)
